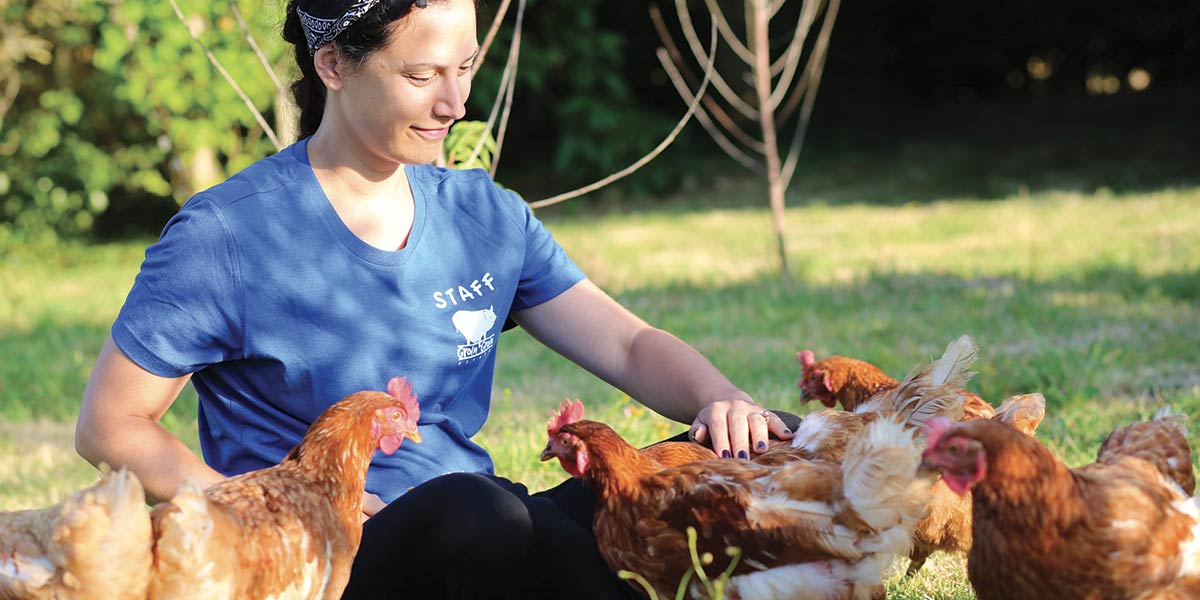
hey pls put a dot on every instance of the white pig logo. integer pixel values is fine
(474, 324)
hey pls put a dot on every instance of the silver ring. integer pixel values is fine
(766, 415)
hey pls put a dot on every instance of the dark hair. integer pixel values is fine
(366, 35)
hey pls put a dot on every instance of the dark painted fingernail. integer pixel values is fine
(743, 454)
(725, 454)
(786, 430)
(762, 445)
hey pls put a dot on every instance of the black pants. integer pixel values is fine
(471, 536)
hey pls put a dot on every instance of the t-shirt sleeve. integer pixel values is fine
(547, 270)
(184, 311)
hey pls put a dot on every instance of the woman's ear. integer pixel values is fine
(327, 61)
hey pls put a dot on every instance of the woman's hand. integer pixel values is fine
(737, 427)
(371, 505)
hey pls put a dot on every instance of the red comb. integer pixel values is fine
(568, 412)
(935, 430)
(400, 389)
(806, 358)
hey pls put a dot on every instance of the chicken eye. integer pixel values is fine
(395, 416)
(953, 449)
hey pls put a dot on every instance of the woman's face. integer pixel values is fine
(399, 104)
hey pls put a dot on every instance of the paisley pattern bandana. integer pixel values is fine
(327, 19)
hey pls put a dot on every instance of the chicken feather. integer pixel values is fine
(288, 531)
(1117, 528)
(935, 390)
(94, 545)
(833, 526)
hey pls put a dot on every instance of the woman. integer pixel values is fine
(346, 259)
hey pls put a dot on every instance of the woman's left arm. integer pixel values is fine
(588, 327)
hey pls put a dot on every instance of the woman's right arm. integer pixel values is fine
(119, 425)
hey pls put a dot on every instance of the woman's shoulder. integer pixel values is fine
(470, 180)
(267, 175)
(470, 190)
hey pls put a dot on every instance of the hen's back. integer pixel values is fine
(94, 545)
(256, 537)
(1161, 442)
(1023, 412)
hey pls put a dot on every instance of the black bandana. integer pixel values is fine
(327, 19)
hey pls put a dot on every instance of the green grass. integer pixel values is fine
(1090, 298)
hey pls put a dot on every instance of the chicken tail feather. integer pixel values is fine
(1023, 412)
(934, 391)
(951, 368)
(1170, 418)
(882, 486)
(182, 531)
(107, 520)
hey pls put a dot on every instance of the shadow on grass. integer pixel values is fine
(1107, 331)
(1102, 333)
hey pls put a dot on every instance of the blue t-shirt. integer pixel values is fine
(258, 288)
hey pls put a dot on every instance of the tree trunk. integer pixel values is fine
(287, 119)
(766, 119)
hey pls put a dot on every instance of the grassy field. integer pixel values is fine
(1092, 299)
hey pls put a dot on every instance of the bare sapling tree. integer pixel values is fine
(760, 92)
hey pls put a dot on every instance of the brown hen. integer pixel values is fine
(288, 531)
(94, 545)
(803, 528)
(852, 382)
(857, 385)
(1116, 528)
(668, 453)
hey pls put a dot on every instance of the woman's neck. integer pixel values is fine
(374, 201)
(349, 170)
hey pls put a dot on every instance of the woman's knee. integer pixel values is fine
(468, 512)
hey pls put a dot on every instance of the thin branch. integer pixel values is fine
(791, 58)
(262, 58)
(262, 122)
(815, 6)
(709, 69)
(798, 91)
(507, 78)
(689, 33)
(702, 117)
(514, 53)
(712, 106)
(819, 56)
(727, 33)
(804, 23)
(12, 86)
(816, 59)
(491, 35)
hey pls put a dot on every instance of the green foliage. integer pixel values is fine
(164, 75)
(116, 99)
(574, 92)
(55, 174)
(469, 145)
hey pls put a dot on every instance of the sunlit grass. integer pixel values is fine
(1044, 237)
